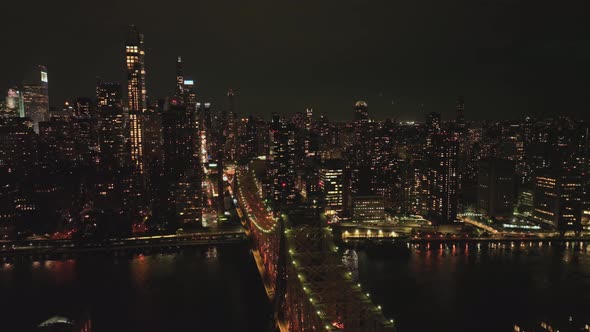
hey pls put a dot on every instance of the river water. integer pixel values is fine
(197, 289)
(424, 288)
(485, 287)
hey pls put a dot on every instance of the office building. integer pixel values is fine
(368, 208)
(332, 185)
(496, 188)
(557, 199)
(14, 106)
(36, 96)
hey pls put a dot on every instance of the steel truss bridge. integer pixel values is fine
(303, 274)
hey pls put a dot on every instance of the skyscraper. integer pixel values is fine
(18, 146)
(361, 118)
(332, 185)
(56, 141)
(282, 164)
(443, 179)
(181, 192)
(432, 128)
(36, 96)
(179, 92)
(136, 95)
(14, 104)
(111, 128)
(460, 109)
(190, 95)
(557, 198)
(308, 118)
(360, 161)
(230, 130)
(496, 187)
(247, 139)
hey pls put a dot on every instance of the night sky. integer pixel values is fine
(404, 57)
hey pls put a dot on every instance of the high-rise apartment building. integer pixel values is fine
(181, 192)
(111, 125)
(136, 96)
(282, 162)
(361, 120)
(18, 146)
(443, 179)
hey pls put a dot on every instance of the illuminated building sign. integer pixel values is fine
(44, 77)
(189, 82)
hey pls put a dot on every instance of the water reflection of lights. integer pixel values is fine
(211, 253)
(140, 266)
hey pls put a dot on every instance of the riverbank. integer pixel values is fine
(65, 246)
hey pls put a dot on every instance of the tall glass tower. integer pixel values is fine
(136, 95)
(36, 96)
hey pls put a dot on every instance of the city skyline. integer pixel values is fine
(377, 52)
(305, 171)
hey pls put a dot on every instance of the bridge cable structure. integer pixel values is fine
(303, 274)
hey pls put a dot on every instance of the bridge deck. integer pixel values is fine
(250, 199)
(318, 292)
(327, 285)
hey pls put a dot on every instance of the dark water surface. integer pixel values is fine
(199, 289)
(489, 287)
(460, 288)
